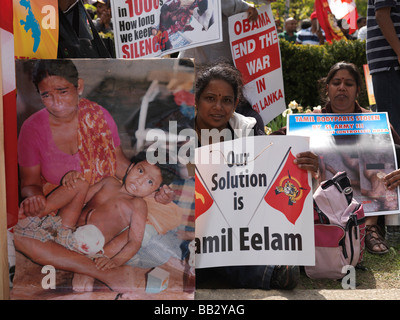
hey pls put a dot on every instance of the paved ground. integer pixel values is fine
(297, 294)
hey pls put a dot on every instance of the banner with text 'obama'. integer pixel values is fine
(256, 53)
(253, 204)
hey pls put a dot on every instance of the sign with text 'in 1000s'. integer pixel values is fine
(154, 28)
(256, 53)
(253, 204)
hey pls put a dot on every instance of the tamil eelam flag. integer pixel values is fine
(327, 21)
(203, 200)
(289, 190)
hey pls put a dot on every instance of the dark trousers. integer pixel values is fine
(250, 277)
(387, 95)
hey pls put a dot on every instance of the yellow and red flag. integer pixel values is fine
(327, 21)
(289, 190)
(203, 200)
(329, 11)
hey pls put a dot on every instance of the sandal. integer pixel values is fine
(373, 237)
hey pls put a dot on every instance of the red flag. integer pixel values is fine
(203, 200)
(289, 190)
(351, 18)
(327, 21)
(345, 9)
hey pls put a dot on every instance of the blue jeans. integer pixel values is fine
(249, 277)
(387, 95)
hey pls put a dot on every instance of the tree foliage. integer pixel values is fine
(304, 65)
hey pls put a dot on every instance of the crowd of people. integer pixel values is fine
(219, 105)
(310, 32)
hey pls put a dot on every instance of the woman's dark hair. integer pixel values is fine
(56, 67)
(342, 65)
(219, 71)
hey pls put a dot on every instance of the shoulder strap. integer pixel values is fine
(342, 182)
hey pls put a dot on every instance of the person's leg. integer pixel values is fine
(374, 240)
(68, 202)
(120, 279)
(252, 277)
(386, 91)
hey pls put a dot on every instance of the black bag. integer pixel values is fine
(69, 43)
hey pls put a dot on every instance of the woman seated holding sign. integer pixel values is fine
(340, 88)
(218, 89)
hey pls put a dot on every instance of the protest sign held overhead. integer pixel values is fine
(153, 28)
(255, 205)
(256, 53)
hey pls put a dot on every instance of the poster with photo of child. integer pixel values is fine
(106, 204)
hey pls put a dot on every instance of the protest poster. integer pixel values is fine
(256, 53)
(369, 85)
(153, 28)
(141, 96)
(361, 145)
(35, 29)
(253, 204)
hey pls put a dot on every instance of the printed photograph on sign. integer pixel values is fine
(160, 27)
(361, 145)
(106, 209)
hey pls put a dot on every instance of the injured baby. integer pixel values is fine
(109, 207)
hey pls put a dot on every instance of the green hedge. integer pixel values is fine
(304, 65)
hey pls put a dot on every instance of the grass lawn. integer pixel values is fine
(379, 272)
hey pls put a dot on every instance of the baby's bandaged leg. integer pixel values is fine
(89, 239)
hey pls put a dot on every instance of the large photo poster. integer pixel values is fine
(98, 219)
(145, 28)
(256, 53)
(253, 204)
(361, 145)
